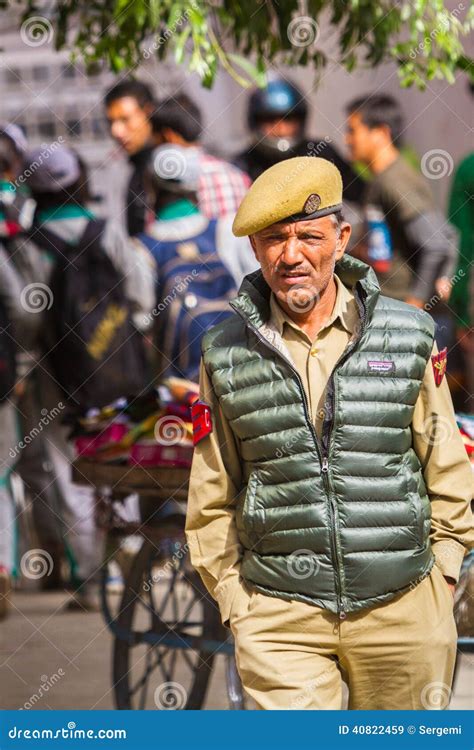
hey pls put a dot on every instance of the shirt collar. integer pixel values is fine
(344, 310)
(178, 230)
(179, 209)
(65, 211)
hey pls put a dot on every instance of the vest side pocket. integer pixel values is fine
(249, 513)
(416, 505)
(249, 502)
(419, 515)
(245, 517)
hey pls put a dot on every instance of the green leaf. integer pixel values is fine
(247, 36)
(255, 73)
(180, 45)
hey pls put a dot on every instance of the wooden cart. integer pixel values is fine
(167, 629)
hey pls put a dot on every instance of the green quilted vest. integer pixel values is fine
(342, 522)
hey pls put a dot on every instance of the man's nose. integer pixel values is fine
(292, 252)
(116, 130)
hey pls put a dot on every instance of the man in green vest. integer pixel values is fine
(329, 504)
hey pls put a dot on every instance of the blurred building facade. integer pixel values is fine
(51, 97)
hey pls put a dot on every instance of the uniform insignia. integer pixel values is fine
(312, 203)
(439, 362)
(202, 421)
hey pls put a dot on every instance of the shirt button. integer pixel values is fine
(313, 352)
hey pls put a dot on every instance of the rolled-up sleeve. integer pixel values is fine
(215, 480)
(447, 473)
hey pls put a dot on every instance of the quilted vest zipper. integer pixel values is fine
(326, 441)
(324, 452)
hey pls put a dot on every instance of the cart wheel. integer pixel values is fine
(164, 602)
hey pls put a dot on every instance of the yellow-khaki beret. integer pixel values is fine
(297, 189)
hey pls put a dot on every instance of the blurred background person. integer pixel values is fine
(461, 215)
(221, 187)
(276, 120)
(23, 266)
(200, 264)
(58, 185)
(423, 256)
(128, 107)
(13, 321)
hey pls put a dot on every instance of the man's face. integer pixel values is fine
(280, 127)
(298, 259)
(129, 124)
(361, 140)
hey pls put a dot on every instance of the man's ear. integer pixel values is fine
(383, 135)
(343, 239)
(254, 246)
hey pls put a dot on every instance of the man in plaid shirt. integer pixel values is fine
(222, 186)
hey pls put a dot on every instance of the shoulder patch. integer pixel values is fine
(202, 421)
(439, 363)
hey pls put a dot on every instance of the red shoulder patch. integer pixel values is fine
(439, 362)
(201, 419)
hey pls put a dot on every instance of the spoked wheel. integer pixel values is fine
(160, 661)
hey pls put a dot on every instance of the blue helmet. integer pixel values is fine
(279, 99)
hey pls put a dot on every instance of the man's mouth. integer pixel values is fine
(294, 277)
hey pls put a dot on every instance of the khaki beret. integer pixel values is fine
(297, 189)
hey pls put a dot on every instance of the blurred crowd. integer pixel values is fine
(92, 310)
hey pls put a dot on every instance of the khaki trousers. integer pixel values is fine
(399, 655)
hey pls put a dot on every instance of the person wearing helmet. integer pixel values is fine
(277, 118)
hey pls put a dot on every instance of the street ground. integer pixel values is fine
(71, 654)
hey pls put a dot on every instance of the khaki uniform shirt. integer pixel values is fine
(216, 470)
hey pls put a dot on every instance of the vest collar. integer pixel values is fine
(253, 300)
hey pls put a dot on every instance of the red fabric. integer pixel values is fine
(222, 187)
(202, 420)
(439, 362)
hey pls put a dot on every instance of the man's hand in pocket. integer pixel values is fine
(451, 583)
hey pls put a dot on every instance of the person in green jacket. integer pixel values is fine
(461, 215)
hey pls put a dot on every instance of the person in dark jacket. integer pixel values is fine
(276, 119)
(129, 105)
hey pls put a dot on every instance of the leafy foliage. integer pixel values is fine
(242, 36)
